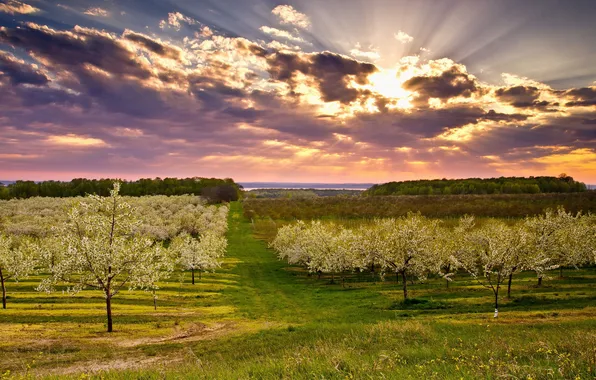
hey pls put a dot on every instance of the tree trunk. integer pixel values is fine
(509, 286)
(397, 277)
(448, 269)
(193, 275)
(154, 302)
(3, 290)
(405, 284)
(560, 272)
(539, 280)
(497, 302)
(109, 310)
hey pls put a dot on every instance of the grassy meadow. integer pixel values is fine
(258, 317)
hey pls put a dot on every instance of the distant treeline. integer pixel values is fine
(215, 189)
(502, 185)
(299, 193)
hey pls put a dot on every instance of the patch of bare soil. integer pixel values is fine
(117, 364)
(191, 333)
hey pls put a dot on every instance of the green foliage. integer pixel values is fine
(214, 189)
(501, 185)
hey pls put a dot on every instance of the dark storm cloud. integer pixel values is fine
(75, 49)
(331, 72)
(450, 84)
(45, 96)
(585, 96)
(152, 45)
(519, 96)
(19, 72)
(497, 116)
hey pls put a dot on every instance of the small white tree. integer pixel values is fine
(368, 243)
(100, 250)
(409, 247)
(320, 242)
(451, 246)
(201, 254)
(289, 243)
(494, 255)
(17, 261)
(548, 241)
(346, 256)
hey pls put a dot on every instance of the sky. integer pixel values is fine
(328, 91)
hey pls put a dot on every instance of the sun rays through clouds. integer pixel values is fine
(332, 92)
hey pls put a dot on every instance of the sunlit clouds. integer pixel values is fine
(98, 12)
(403, 37)
(14, 7)
(288, 15)
(272, 93)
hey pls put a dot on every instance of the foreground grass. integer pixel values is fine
(259, 318)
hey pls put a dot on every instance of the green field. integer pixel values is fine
(257, 317)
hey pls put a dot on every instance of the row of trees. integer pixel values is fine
(215, 189)
(414, 245)
(160, 217)
(103, 244)
(501, 185)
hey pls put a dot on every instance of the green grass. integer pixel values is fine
(257, 317)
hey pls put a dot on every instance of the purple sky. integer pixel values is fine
(310, 90)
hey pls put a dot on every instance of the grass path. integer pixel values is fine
(270, 289)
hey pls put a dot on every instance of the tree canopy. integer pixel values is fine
(502, 185)
(214, 189)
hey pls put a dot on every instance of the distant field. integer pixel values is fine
(439, 206)
(258, 317)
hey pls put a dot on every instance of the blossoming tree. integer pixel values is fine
(101, 250)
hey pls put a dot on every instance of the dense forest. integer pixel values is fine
(502, 185)
(216, 190)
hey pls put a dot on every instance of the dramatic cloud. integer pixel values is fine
(16, 7)
(152, 45)
(450, 83)
(18, 72)
(329, 71)
(582, 97)
(290, 16)
(171, 100)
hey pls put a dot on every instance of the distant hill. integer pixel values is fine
(501, 185)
